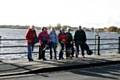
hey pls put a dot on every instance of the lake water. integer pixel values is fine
(20, 34)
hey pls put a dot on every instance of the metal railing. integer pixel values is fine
(97, 45)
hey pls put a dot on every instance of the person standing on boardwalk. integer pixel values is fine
(69, 44)
(80, 40)
(62, 41)
(30, 37)
(44, 41)
(53, 43)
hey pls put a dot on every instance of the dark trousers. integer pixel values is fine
(42, 52)
(81, 45)
(61, 51)
(53, 46)
(69, 50)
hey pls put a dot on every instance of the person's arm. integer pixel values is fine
(59, 37)
(75, 35)
(48, 38)
(40, 38)
(85, 39)
(56, 37)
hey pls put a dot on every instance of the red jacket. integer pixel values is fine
(62, 37)
(30, 36)
(45, 35)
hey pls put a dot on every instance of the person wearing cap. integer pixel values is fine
(44, 41)
(30, 37)
(80, 40)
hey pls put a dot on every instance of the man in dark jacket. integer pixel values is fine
(80, 40)
(69, 44)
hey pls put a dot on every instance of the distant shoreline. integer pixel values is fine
(17, 27)
(110, 29)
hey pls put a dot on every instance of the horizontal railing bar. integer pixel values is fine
(109, 39)
(7, 53)
(38, 45)
(109, 44)
(11, 39)
(15, 53)
(91, 39)
(16, 46)
(108, 48)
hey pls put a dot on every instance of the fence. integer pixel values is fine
(97, 45)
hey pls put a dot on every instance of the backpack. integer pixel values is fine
(89, 52)
(44, 40)
(86, 47)
(36, 40)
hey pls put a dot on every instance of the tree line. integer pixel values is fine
(59, 26)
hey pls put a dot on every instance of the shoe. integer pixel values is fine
(31, 60)
(72, 55)
(39, 58)
(44, 59)
(60, 58)
(51, 58)
(83, 56)
(76, 56)
(55, 58)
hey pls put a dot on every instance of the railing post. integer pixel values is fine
(119, 45)
(0, 42)
(96, 37)
(98, 45)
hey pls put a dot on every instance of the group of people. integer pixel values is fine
(50, 41)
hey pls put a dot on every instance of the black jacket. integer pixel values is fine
(80, 36)
(69, 37)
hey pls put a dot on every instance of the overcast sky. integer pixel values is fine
(88, 13)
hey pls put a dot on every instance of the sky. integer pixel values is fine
(87, 13)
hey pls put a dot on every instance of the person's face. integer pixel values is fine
(68, 30)
(45, 29)
(53, 29)
(79, 27)
(62, 31)
(33, 28)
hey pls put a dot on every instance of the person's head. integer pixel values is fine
(32, 27)
(80, 27)
(44, 29)
(62, 30)
(68, 30)
(53, 29)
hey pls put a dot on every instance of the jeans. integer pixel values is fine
(53, 46)
(30, 49)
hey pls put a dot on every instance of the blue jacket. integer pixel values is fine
(53, 37)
